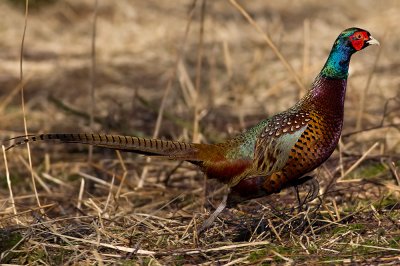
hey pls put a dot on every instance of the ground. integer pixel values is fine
(121, 208)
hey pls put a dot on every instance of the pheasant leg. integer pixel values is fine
(210, 220)
(313, 189)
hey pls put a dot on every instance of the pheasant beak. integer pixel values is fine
(372, 41)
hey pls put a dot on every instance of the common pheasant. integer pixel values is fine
(274, 154)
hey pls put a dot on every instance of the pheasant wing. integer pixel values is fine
(277, 139)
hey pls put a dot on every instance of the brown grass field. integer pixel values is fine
(120, 208)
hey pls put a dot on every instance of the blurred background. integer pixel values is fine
(241, 82)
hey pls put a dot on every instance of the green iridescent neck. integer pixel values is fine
(337, 65)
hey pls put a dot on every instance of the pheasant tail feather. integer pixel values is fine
(176, 150)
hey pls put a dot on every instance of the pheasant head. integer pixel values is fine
(347, 43)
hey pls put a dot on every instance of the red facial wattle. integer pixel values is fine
(358, 39)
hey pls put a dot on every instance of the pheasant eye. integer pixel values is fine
(358, 40)
(357, 36)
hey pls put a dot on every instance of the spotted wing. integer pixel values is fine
(276, 141)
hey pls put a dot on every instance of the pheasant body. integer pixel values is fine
(273, 154)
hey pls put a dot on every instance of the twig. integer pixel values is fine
(197, 93)
(95, 179)
(274, 231)
(148, 252)
(35, 175)
(370, 246)
(336, 209)
(9, 185)
(93, 76)
(306, 53)
(109, 195)
(271, 44)
(198, 75)
(124, 174)
(395, 125)
(23, 100)
(282, 257)
(167, 89)
(393, 168)
(81, 190)
(358, 161)
(386, 107)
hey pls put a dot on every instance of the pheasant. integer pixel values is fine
(274, 154)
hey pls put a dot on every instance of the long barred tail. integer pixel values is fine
(156, 147)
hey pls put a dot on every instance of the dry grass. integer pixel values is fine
(95, 212)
